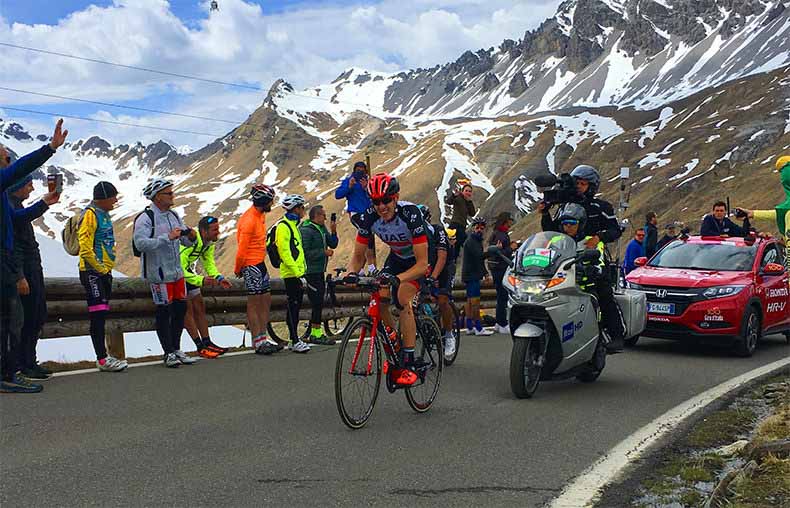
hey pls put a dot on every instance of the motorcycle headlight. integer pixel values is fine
(722, 291)
(531, 288)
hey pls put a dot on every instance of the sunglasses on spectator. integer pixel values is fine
(569, 222)
(382, 201)
(640, 235)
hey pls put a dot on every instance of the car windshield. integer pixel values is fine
(541, 253)
(726, 257)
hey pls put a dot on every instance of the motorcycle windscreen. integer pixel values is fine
(542, 252)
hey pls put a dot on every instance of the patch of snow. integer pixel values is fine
(756, 134)
(712, 138)
(688, 169)
(725, 179)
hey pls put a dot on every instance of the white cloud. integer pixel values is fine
(241, 43)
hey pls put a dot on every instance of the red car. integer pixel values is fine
(724, 290)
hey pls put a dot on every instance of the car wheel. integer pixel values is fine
(751, 330)
(631, 342)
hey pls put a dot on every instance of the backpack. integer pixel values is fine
(150, 214)
(271, 246)
(70, 234)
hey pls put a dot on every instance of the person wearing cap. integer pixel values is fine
(29, 276)
(498, 266)
(671, 232)
(10, 173)
(353, 189)
(96, 261)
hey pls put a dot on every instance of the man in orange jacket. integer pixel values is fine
(251, 237)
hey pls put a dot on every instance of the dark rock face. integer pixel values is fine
(518, 85)
(14, 130)
(96, 143)
(490, 82)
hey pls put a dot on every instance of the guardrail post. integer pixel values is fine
(115, 346)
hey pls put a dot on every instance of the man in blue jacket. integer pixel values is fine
(9, 299)
(634, 250)
(354, 189)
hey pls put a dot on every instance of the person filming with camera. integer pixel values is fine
(600, 227)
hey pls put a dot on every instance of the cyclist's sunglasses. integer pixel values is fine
(569, 222)
(383, 201)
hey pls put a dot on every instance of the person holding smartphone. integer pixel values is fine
(353, 189)
(319, 245)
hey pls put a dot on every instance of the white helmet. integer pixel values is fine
(292, 201)
(155, 186)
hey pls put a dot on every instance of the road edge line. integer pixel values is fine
(94, 370)
(585, 489)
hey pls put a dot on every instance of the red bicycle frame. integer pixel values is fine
(374, 313)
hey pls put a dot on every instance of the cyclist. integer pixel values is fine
(251, 238)
(202, 250)
(400, 225)
(440, 257)
(288, 240)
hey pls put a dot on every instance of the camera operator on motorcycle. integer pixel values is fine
(597, 228)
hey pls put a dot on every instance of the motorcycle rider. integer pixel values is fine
(572, 218)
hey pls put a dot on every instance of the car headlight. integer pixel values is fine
(722, 291)
(632, 285)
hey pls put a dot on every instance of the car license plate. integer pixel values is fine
(661, 308)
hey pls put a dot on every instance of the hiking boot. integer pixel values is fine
(171, 360)
(19, 385)
(184, 359)
(300, 347)
(403, 377)
(35, 374)
(111, 364)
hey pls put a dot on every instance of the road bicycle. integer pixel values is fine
(427, 303)
(359, 366)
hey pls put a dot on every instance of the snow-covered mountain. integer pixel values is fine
(693, 96)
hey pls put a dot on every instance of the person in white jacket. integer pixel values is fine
(158, 234)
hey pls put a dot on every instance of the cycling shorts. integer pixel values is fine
(395, 265)
(473, 289)
(165, 293)
(98, 290)
(256, 279)
(192, 291)
(445, 283)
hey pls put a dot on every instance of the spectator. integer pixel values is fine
(651, 234)
(251, 238)
(96, 261)
(635, 249)
(671, 231)
(473, 271)
(10, 304)
(353, 189)
(292, 265)
(158, 231)
(202, 250)
(463, 210)
(718, 224)
(318, 248)
(30, 276)
(498, 266)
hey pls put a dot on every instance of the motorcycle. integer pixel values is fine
(554, 324)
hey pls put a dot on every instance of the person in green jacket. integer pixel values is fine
(318, 246)
(293, 267)
(202, 250)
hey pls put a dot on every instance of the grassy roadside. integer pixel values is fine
(717, 460)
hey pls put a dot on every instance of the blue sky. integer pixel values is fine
(247, 41)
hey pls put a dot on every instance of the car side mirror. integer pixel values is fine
(642, 261)
(773, 269)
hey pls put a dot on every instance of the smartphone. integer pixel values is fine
(59, 183)
(185, 232)
(333, 217)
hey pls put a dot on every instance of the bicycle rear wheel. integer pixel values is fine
(429, 355)
(457, 320)
(357, 374)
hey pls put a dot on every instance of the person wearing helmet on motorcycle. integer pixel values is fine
(293, 266)
(473, 271)
(250, 255)
(400, 225)
(572, 218)
(780, 214)
(158, 235)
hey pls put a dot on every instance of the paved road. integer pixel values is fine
(252, 430)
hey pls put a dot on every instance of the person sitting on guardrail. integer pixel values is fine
(318, 248)
(158, 234)
(96, 261)
(9, 296)
(202, 250)
(473, 271)
(30, 276)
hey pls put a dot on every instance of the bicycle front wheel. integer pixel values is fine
(357, 374)
(429, 357)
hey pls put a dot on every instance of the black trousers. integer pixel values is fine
(316, 295)
(295, 292)
(10, 309)
(610, 311)
(170, 324)
(34, 306)
(460, 234)
(501, 297)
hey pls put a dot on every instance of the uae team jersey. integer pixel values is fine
(402, 233)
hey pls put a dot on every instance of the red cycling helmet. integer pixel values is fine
(382, 185)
